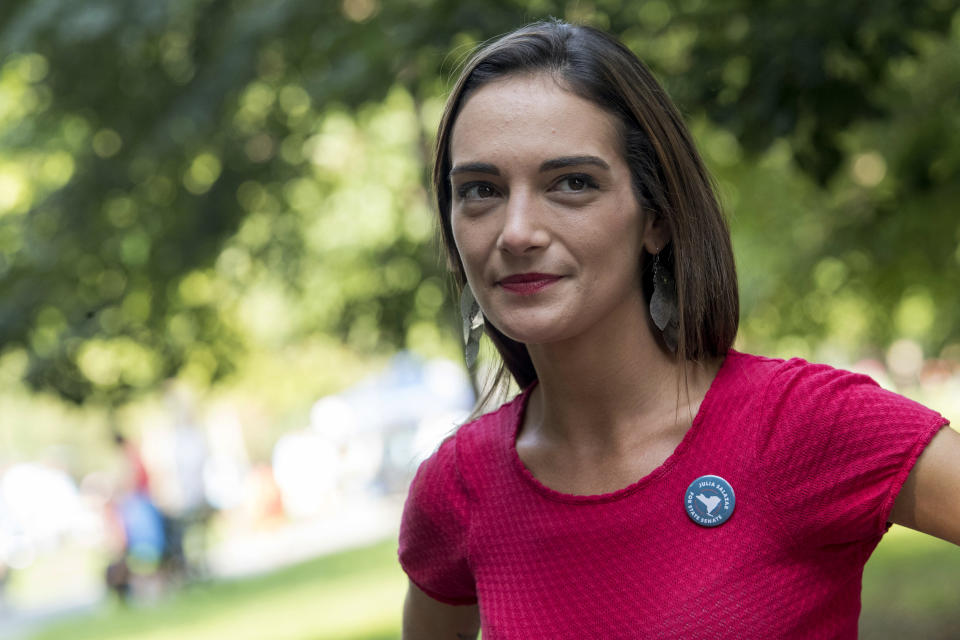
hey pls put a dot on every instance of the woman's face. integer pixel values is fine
(544, 215)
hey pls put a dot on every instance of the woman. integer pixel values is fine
(649, 481)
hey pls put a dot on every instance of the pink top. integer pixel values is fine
(815, 457)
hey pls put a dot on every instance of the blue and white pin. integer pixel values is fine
(709, 501)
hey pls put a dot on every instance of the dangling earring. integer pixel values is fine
(663, 303)
(472, 319)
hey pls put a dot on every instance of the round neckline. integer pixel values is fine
(520, 408)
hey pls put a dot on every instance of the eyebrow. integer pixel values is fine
(475, 167)
(548, 165)
(571, 161)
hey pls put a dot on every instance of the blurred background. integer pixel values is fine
(226, 336)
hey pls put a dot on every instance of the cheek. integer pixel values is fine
(468, 242)
(609, 238)
(614, 251)
(460, 238)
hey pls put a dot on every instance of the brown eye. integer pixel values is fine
(575, 183)
(476, 191)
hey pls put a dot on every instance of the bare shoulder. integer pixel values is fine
(425, 618)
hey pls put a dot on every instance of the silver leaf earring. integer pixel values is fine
(472, 319)
(663, 303)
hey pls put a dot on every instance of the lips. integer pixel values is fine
(528, 283)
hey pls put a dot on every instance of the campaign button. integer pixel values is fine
(709, 501)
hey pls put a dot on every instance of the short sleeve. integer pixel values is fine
(434, 530)
(835, 449)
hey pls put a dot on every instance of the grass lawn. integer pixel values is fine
(911, 590)
(355, 595)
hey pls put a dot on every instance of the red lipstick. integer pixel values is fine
(528, 283)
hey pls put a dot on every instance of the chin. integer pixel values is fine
(528, 333)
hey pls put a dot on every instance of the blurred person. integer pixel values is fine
(135, 524)
(178, 457)
(186, 453)
(191, 510)
(144, 543)
(649, 480)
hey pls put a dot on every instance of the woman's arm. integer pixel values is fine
(427, 619)
(930, 498)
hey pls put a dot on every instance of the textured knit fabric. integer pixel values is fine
(815, 455)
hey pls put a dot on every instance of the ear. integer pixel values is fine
(656, 234)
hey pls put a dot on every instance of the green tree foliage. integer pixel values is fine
(802, 71)
(180, 180)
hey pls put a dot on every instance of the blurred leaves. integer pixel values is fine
(802, 71)
(184, 182)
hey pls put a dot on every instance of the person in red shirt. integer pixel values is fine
(649, 481)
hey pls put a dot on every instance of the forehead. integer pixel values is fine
(531, 115)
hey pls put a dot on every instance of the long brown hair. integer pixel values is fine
(668, 176)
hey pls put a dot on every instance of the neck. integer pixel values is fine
(612, 385)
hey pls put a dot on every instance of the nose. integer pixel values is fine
(523, 230)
